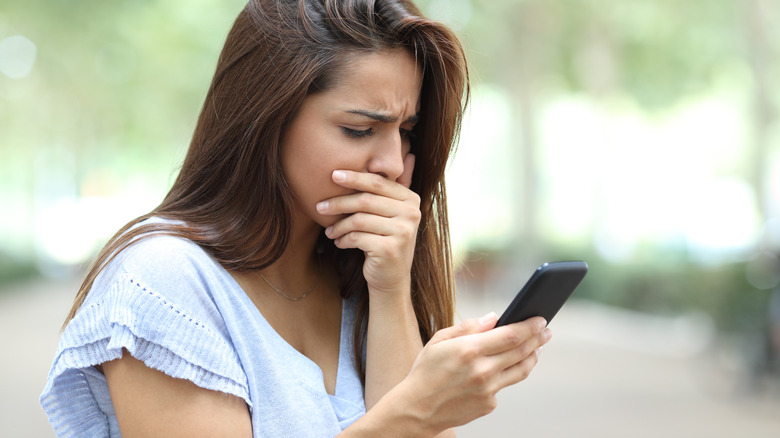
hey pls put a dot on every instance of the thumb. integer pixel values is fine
(467, 327)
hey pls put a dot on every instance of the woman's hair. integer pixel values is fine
(231, 194)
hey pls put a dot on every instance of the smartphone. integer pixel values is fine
(545, 292)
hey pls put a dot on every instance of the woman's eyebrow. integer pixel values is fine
(384, 118)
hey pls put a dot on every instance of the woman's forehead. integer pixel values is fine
(386, 82)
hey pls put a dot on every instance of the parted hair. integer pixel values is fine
(231, 195)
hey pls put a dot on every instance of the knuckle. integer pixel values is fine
(512, 338)
(409, 233)
(533, 360)
(358, 220)
(376, 182)
(489, 405)
(364, 200)
(526, 368)
(525, 371)
(482, 377)
(394, 249)
(527, 351)
(469, 353)
(485, 402)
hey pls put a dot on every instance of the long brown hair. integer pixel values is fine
(231, 193)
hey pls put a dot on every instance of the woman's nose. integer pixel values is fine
(388, 158)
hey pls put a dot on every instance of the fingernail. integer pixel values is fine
(538, 352)
(328, 231)
(488, 318)
(339, 176)
(547, 334)
(542, 324)
(322, 206)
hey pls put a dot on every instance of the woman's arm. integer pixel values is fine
(383, 216)
(150, 403)
(393, 343)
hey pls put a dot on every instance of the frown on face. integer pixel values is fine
(362, 123)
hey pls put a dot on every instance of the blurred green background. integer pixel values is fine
(641, 136)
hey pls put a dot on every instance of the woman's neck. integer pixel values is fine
(298, 266)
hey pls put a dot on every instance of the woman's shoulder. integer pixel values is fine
(166, 263)
(160, 246)
(158, 276)
(158, 300)
(165, 268)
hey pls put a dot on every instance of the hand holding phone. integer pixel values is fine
(545, 292)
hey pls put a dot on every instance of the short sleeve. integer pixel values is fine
(156, 328)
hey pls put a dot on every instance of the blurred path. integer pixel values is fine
(30, 318)
(605, 374)
(589, 383)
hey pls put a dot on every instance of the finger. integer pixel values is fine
(377, 247)
(372, 183)
(511, 336)
(406, 177)
(528, 348)
(367, 242)
(369, 223)
(518, 372)
(363, 201)
(466, 327)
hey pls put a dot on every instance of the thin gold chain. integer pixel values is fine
(298, 298)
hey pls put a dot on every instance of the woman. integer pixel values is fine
(288, 282)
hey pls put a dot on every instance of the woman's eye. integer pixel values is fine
(354, 133)
(408, 134)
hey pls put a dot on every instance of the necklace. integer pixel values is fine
(298, 298)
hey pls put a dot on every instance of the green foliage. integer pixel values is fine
(116, 80)
(13, 269)
(658, 51)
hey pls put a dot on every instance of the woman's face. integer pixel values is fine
(362, 123)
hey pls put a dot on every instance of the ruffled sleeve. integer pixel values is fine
(157, 328)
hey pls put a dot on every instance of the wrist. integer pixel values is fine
(401, 287)
(396, 414)
(392, 308)
(406, 407)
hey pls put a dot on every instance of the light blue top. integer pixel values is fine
(174, 307)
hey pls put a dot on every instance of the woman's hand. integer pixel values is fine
(457, 375)
(383, 217)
